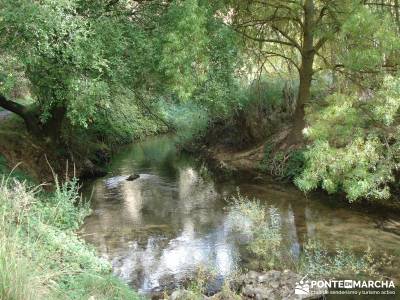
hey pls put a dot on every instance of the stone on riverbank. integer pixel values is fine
(273, 285)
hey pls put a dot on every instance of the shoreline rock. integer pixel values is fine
(274, 285)
(271, 285)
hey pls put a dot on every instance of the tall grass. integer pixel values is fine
(41, 257)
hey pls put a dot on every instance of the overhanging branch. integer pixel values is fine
(262, 40)
(290, 60)
(12, 106)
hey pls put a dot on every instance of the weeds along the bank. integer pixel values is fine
(41, 256)
(268, 245)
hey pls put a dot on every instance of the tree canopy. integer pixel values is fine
(107, 64)
(80, 57)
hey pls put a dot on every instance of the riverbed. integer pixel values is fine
(159, 229)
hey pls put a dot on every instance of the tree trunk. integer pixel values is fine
(53, 126)
(51, 129)
(31, 121)
(397, 14)
(305, 74)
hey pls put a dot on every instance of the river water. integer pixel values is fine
(160, 229)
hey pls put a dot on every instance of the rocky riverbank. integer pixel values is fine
(277, 285)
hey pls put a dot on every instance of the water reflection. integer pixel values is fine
(155, 231)
(160, 228)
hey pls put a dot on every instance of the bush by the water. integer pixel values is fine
(344, 156)
(284, 165)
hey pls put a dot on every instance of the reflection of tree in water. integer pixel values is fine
(151, 267)
(155, 263)
(163, 225)
(186, 212)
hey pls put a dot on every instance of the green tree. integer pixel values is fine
(70, 66)
(81, 56)
(297, 33)
(354, 131)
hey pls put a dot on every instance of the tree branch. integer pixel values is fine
(12, 106)
(284, 57)
(320, 43)
(289, 38)
(276, 41)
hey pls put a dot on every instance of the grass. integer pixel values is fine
(41, 256)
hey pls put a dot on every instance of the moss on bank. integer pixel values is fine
(41, 256)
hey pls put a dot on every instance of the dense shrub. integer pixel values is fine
(355, 145)
(190, 120)
(284, 165)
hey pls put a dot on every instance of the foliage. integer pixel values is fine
(125, 123)
(285, 165)
(370, 40)
(354, 129)
(183, 60)
(40, 254)
(263, 225)
(198, 285)
(15, 172)
(317, 261)
(355, 145)
(267, 92)
(295, 164)
(189, 119)
(221, 91)
(108, 66)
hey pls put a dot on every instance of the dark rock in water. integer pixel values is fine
(133, 177)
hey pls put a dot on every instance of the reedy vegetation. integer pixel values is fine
(271, 249)
(41, 256)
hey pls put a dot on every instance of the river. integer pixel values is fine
(160, 228)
